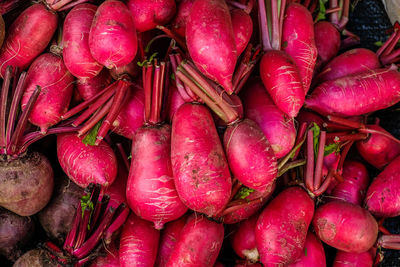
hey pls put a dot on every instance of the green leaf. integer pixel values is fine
(321, 11)
(316, 132)
(305, 252)
(378, 43)
(86, 203)
(145, 62)
(243, 192)
(331, 148)
(90, 139)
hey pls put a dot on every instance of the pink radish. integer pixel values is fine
(89, 87)
(313, 255)
(112, 37)
(49, 72)
(348, 259)
(327, 47)
(179, 21)
(243, 240)
(242, 29)
(76, 52)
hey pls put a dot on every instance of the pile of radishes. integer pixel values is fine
(188, 130)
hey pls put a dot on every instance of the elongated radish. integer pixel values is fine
(113, 24)
(85, 164)
(211, 42)
(357, 94)
(49, 72)
(27, 37)
(76, 52)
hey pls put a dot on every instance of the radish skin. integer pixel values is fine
(313, 255)
(327, 47)
(90, 87)
(243, 240)
(179, 21)
(347, 259)
(242, 29)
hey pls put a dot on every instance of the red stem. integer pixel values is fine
(345, 15)
(174, 36)
(179, 86)
(310, 161)
(3, 108)
(383, 230)
(188, 90)
(337, 176)
(345, 122)
(71, 5)
(155, 96)
(98, 212)
(114, 110)
(334, 17)
(320, 160)
(300, 137)
(240, 204)
(83, 228)
(117, 223)
(70, 239)
(319, 191)
(263, 22)
(90, 123)
(8, 5)
(343, 156)
(147, 85)
(387, 135)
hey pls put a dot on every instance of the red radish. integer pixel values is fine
(138, 244)
(355, 184)
(282, 81)
(182, 13)
(242, 29)
(357, 94)
(85, 164)
(327, 47)
(130, 117)
(76, 52)
(112, 37)
(169, 237)
(383, 195)
(211, 42)
(313, 255)
(345, 226)
(243, 240)
(259, 107)
(27, 37)
(378, 150)
(291, 210)
(199, 243)
(298, 41)
(348, 259)
(350, 62)
(147, 14)
(199, 165)
(49, 72)
(90, 87)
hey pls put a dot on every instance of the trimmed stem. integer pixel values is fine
(263, 22)
(387, 135)
(239, 204)
(114, 110)
(116, 224)
(19, 130)
(310, 161)
(382, 50)
(96, 118)
(389, 242)
(3, 108)
(345, 122)
(147, 85)
(342, 137)
(300, 138)
(343, 156)
(344, 18)
(83, 228)
(334, 17)
(338, 177)
(320, 160)
(70, 239)
(99, 211)
(319, 191)
(291, 165)
(292, 153)
(71, 5)
(188, 90)
(174, 36)
(179, 86)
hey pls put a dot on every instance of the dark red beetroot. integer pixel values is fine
(199, 243)
(345, 226)
(179, 21)
(169, 236)
(90, 87)
(113, 24)
(138, 244)
(57, 217)
(298, 41)
(242, 29)
(291, 210)
(355, 184)
(85, 164)
(350, 62)
(383, 195)
(327, 40)
(130, 117)
(211, 42)
(34, 172)
(110, 259)
(347, 259)
(35, 257)
(76, 51)
(378, 150)
(243, 240)
(313, 255)
(259, 107)
(49, 72)
(199, 165)
(27, 37)
(147, 14)
(15, 233)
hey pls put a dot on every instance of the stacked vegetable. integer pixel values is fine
(260, 130)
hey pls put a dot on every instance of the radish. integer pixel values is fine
(313, 255)
(88, 88)
(345, 226)
(175, 100)
(49, 72)
(348, 259)
(382, 197)
(199, 243)
(179, 21)
(242, 29)
(243, 240)
(327, 47)
(148, 14)
(15, 233)
(138, 244)
(150, 190)
(113, 24)
(76, 52)
(199, 166)
(27, 37)
(357, 94)
(259, 107)
(293, 210)
(211, 42)
(169, 236)
(298, 41)
(85, 164)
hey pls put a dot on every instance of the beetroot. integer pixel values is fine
(291, 210)
(35, 257)
(49, 72)
(147, 14)
(113, 24)
(85, 164)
